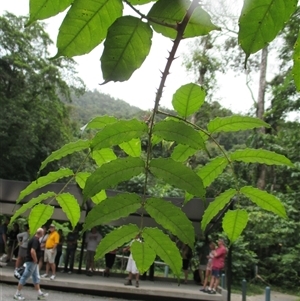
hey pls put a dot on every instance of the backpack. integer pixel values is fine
(18, 272)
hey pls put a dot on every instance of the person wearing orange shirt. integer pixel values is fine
(50, 252)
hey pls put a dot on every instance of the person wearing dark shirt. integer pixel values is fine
(31, 267)
(3, 236)
(13, 248)
(71, 242)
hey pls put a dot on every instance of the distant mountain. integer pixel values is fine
(94, 103)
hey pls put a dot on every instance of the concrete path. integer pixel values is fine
(274, 297)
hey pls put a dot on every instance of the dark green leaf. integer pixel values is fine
(262, 156)
(234, 222)
(182, 152)
(112, 173)
(180, 132)
(67, 149)
(165, 248)
(127, 44)
(174, 173)
(43, 9)
(116, 238)
(118, 132)
(188, 99)
(112, 209)
(143, 255)
(70, 207)
(43, 181)
(100, 122)
(235, 123)
(212, 170)
(296, 67)
(264, 200)
(216, 206)
(85, 25)
(171, 218)
(39, 216)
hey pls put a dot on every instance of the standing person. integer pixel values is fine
(187, 254)
(13, 247)
(3, 236)
(22, 238)
(109, 262)
(209, 259)
(32, 269)
(92, 240)
(71, 242)
(131, 266)
(43, 240)
(59, 248)
(218, 263)
(50, 252)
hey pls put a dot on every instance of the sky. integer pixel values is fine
(140, 89)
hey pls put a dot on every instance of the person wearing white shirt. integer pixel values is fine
(92, 240)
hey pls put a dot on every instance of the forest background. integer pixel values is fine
(43, 110)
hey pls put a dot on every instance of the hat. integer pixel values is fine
(52, 226)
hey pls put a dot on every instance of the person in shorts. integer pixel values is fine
(92, 240)
(208, 269)
(31, 267)
(22, 238)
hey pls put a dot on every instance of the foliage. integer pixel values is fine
(178, 20)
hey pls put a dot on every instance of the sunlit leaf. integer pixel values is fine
(116, 238)
(127, 44)
(262, 156)
(44, 9)
(100, 122)
(143, 255)
(212, 170)
(216, 206)
(264, 200)
(31, 203)
(112, 209)
(85, 25)
(70, 207)
(118, 132)
(182, 152)
(140, 2)
(67, 149)
(103, 155)
(234, 222)
(296, 67)
(175, 173)
(39, 215)
(235, 123)
(261, 21)
(188, 99)
(45, 180)
(165, 248)
(112, 173)
(132, 147)
(187, 197)
(171, 218)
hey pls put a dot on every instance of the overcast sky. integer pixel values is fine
(140, 89)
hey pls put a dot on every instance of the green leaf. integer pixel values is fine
(103, 155)
(199, 24)
(187, 197)
(31, 203)
(264, 200)
(112, 173)
(43, 181)
(99, 197)
(296, 67)
(140, 2)
(188, 99)
(44, 9)
(67, 149)
(132, 147)
(182, 152)
(85, 25)
(116, 238)
(100, 122)
(176, 174)
(261, 21)
(171, 218)
(235, 123)
(39, 216)
(70, 207)
(262, 156)
(127, 44)
(180, 132)
(143, 255)
(234, 222)
(165, 248)
(118, 132)
(112, 209)
(216, 206)
(212, 170)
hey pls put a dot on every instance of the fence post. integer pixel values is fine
(244, 289)
(268, 294)
(166, 271)
(223, 281)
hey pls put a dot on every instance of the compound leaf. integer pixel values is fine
(39, 216)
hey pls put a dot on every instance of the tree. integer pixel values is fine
(127, 43)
